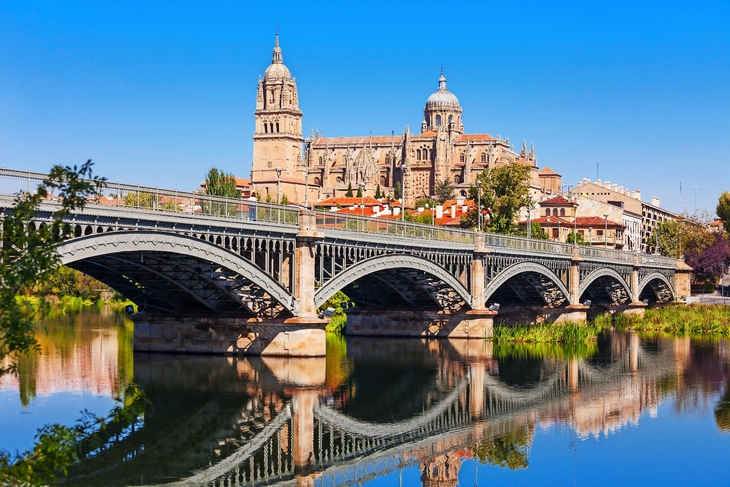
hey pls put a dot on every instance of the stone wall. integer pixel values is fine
(233, 336)
(416, 323)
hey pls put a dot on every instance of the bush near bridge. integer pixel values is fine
(693, 319)
(568, 332)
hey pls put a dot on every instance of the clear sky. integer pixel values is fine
(157, 92)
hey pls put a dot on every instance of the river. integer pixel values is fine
(631, 409)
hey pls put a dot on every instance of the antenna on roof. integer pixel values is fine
(597, 174)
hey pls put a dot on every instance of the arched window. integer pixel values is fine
(277, 127)
(317, 182)
(457, 179)
(438, 120)
(387, 158)
(451, 119)
(339, 180)
(418, 154)
(555, 212)
(320, 160)
(562, 211)
(547, 211)
(382, 180)
(461, 157)
(271, 128)
(266, 128)
(484, 157)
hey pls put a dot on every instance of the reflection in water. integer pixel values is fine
(86, 351)
(375, 407)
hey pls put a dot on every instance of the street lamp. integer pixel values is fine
(362, 198)
(590, 235)
(403, 168)
(433, 210)
(479, 205)
(529, 215)
(278, 185)
(605, 232)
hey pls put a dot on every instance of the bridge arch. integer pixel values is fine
(95, 246)
(389, 262)
(594, 276)
(664, 283)
(523, 268)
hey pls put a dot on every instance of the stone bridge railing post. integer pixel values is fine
(577, 311)
(682, 279)
(477, 272)
(636, 306)
(306, 248)
(479, 321)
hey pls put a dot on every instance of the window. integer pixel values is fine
(387, 158)
(555, 212)
(317, 182)
(382, 180)
(266, 128)
(451, 119)
(418, 154)
(555, 233)
(438, 120)
(484, 157)
(320, 160)
(547, 211)
(277, 127)
(461, 157)
(599, 233)
(562, 211)
(581, 233)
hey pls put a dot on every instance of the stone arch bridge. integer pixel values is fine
(229, 276)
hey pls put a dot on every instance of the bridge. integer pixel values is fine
(221, 275)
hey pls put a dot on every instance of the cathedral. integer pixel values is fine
(310, 170)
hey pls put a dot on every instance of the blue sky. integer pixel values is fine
(157, 92)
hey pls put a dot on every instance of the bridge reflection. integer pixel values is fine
(375, 408)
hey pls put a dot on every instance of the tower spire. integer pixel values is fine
(276, 58)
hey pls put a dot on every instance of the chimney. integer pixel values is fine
(376, 209)
(464, 209)
(598, 182)
(621, 189)
(396, 210)
(453, 211)
(614, 187)
(460, 201)
(637, 194)
(607, 185)
(655, 200)
(439, 211)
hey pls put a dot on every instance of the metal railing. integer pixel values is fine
(652, 259)
(608, 254)
(498, 241)
(334, 221)
(120, 195)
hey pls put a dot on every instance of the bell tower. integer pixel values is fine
(277, 141)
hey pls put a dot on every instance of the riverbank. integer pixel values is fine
(694, 319)
(54, 304)
(566, 333)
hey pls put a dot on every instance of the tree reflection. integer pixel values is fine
(510, 450)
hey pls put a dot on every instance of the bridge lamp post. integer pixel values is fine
(479, 205)
(278, 185)
(403, 168)
(433, 210)
(590, 235)
(605, 232)
(529, 216)
(362, 198)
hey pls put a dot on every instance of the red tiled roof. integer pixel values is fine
(475, 138)
(546, 171)
(557, 201)
(354, 201)
(358, 141)
(581, 222)
(716, 223)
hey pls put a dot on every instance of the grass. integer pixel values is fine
(566, 333)
(337, 323)
(54, 305)
(692, 319)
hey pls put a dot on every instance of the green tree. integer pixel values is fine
(723, 210)
(504, 190)
(445, 190)
(575, 238)
(349, 193)
(284, 199)
(28, 257)
(220, 183)
(536, 232)
(378, 194)
(397, 190)
(359, 192)
(138, 199)
(510, 450)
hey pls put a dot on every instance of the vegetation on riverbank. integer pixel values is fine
(52, 305)
(338, 303)
(693, 319)
(566, 333)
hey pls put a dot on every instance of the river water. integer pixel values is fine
(631, 409)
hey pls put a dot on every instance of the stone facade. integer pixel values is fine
(323, 167)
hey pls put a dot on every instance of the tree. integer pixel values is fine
(576, 238)
(708, 265)
(28, 257)
(504, 190)
(397, 190)
(445, 190)
(220, 183)
(284, 199)
(349, 193)
(359, 192)
(723, 210)
(378, 194)
(138, 199)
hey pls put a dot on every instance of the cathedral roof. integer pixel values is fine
(277, 70)
(442, 97)
(358, 141)
(546, 171)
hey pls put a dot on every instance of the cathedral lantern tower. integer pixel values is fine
(277, 142)
(442, 111)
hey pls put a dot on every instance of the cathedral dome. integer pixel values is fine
(442, 97)
(277, 70)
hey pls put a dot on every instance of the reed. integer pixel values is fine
(568, 332)
(692, 319)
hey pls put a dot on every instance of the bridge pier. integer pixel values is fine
(575, 311)
(682, 279)
(636, 306)
(419, 323)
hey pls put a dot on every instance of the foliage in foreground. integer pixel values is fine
(692, 319)
(59, 446)
(339, 302)
(568, 332)
(28, 253)
(510, 450)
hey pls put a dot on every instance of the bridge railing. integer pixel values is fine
(120, 195)
(334, 221)
(498, 241)
(603, 253)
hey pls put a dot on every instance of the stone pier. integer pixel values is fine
(419, 323)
